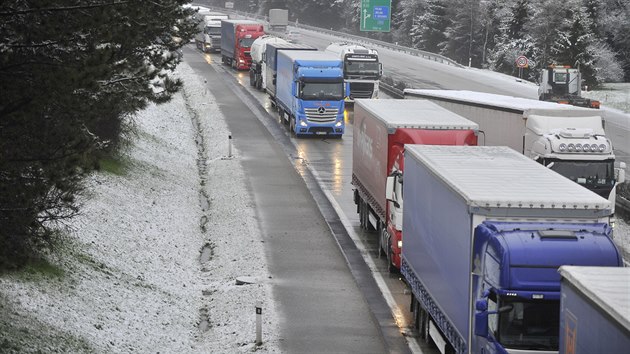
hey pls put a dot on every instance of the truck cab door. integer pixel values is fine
(394, 196)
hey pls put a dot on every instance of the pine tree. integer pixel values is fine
(70, 74)
(430, 27)
(464, 35)
(573, 46)
(513, 40)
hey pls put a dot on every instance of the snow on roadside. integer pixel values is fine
(130, 277)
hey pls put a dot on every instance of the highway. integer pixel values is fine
(330, 160)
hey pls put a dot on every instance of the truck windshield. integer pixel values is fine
(598, 176)
(321, 91)
(213, 30)
(246, 42)
(529, 325)
(355, 69)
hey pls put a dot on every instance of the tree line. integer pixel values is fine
(591, 34)
(72, 74)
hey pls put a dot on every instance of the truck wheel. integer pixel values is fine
(381, 241)
(423, 328)
(362, 214)
(292, 125)
(368, 225)
(390, 257)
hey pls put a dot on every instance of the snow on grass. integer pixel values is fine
(130, 277)
(614, 95)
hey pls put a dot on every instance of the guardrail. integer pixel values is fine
(350, 37)
(622, 204)
(391, 90)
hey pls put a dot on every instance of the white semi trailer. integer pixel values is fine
(567, 139)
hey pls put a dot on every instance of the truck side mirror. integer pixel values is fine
(481, 317)
(621, 173)
(481, 324)
(380, 70)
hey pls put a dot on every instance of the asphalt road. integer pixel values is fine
(328, 300)
(330, 164)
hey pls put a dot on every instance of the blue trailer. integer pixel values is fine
(271, 58)
(310, 92)
(594, 310)
(486, 230)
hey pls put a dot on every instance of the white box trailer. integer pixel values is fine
(568, 139)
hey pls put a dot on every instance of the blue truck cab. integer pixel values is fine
(485, 231)
(517, 284)
(310, 92)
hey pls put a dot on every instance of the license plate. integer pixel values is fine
(320, 133)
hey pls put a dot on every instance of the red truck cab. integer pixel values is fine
(237, 37)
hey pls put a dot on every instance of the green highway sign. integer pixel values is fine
(376, 15)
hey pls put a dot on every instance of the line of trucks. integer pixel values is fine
(310, 87)
(486, 227)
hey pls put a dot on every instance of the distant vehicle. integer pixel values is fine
(310, 92)
(563, 84)
(382, 130)
(594, 310)
(259, 63)
(237, 37)
(278, 19)
(566, 139)
(485, 231)
(293, 36)
(209, 36)
(361, 69)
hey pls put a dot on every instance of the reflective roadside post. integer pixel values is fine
(258, 323)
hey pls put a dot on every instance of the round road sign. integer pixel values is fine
(521, 62)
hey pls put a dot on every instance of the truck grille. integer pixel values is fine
(361, 90)
(216, 42)
(328, 115)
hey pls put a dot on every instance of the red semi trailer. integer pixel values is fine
(382, 128)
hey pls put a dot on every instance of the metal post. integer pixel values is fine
(258, 323)
(230, 145)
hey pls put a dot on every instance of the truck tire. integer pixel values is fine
(390, 257)
(252, 79)
(362, 214)
(368, 225)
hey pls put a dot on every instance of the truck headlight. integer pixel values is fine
(593, 147)
(303, 123)
(578, 147)
(339, 123)
(587, 147)
(563, 147)
(602, 147)
(571, 147)
(399, 244)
